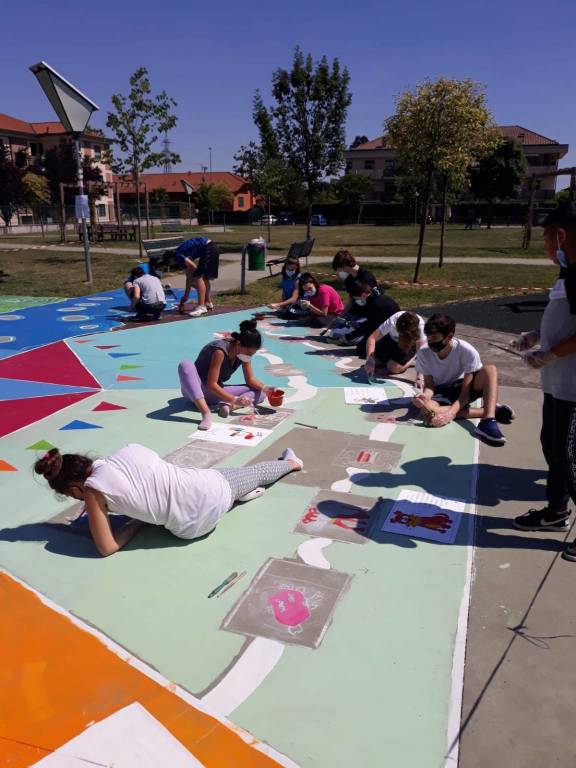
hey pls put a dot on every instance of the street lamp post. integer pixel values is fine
(74, 111)
(189, 189)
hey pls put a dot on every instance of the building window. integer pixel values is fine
(36, 149)
(240, 202)
(369, 165)
(97, 151)
(101, 210)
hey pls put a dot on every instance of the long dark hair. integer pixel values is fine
(248, 336)
(61, 471)
(307, 277)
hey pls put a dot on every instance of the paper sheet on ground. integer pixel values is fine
(365, 395)
(424, 516)
(234, 434)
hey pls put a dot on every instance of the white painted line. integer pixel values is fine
(249, 671)
(310, 552)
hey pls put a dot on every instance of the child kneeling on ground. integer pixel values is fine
(453, 370)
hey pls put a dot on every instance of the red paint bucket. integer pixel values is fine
(276, 397)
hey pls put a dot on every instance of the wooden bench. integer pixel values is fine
(160, 250)
(171, 226)
(113, 230)
(297, 251)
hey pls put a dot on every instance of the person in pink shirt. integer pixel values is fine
(322, 302)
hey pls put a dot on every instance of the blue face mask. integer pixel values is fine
(561, 258)
(289, 273)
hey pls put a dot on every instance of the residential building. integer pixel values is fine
(243, 197)
(27, 144)
(378, 161)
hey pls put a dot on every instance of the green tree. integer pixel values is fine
(11, 187)
(358, 140)
(137, 121)
(440, 129)
(36, 194)
(209, 197)
(499, 175)
(352, 190)
(159, 196)
(306, 123)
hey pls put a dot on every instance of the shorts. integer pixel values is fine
(209, 262)
(388, 349)
(452, 390)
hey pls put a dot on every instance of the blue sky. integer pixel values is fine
(211, 57)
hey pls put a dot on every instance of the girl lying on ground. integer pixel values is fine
(321, 303)
(136, 482)
(289, 284)
(203, 381)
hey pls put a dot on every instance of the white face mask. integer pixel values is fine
(289, 273)
(310, 293)
(244, 358)
(361, 302)
(342, 275)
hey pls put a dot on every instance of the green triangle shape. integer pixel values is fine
(41, 445)
(128, 367)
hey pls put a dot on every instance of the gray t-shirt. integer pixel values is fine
(204, 358)
(559, 377)
(151, 291)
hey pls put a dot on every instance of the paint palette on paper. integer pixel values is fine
(289, 602)
(377, 456)
(200, 454)
(339, 516)
(233, 434)
(424, 516)
(266, 418)
(365, 395)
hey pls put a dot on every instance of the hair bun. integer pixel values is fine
(248, 325)
(50, 464)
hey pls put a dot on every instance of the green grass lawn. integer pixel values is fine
(364, 241)
(492, 276)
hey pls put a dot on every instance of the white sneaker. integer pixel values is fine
(209, 306)
(199, 311)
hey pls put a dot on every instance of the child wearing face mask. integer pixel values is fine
(289, 284)
(322, 303)
(377, 310)
(556, 360)
(203, 382)
(350, 272)
(453, 370)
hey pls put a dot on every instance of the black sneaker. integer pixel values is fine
(542, 520)
(570, 552)
(504, 414)
(489, 430)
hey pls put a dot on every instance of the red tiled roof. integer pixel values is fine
(523, 135)
(48, 127)
(171, 181)
(12, 124)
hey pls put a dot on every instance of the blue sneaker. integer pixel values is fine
(489, 429)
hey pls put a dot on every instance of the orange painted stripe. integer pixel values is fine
(55, 679)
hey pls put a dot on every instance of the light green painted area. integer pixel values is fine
(12, 303)
(376, 691)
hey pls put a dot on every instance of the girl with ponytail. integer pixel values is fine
(203, 381)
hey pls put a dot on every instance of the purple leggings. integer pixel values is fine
(193, 388)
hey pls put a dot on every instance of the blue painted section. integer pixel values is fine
(76, 424)
(36, 326)
(123, 354)
(16, 389)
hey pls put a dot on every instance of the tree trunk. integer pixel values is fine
(443, 224)
(423, 222)
(489, 214)
(39, 212)
(530, 214)
(308, 218)
(62, 215)
(138, 212)
(359, 214)
(269, 222)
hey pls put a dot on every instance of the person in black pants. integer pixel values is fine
(377, 309)
(556, 359)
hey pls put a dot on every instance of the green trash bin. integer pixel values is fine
(256, 255)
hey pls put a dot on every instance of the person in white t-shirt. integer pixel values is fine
(452, 369)
(394, 343)
(147, 295)
(136, 482)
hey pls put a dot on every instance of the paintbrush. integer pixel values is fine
(234, 581)
(228, 580)
(505, 349)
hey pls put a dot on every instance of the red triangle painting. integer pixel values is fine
(53, 364)
(15, 414)
(104, 406)
(106, 346)
(128, 378)
(5, 467)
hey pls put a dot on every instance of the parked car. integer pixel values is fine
(317, 220)
(285, 217)
(268, 220)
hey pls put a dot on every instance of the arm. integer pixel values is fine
(565, 348)
(107, 543)
(371, 341)
(288, 303)
(250, 379)
(190, 270)
(136, 293)
(322, 312)
(540, 357)
(463, 397)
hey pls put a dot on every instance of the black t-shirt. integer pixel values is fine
(362, 276)
(377, 310)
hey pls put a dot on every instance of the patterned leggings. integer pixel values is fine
(243, 480)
